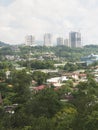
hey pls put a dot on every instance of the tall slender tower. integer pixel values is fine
(47, 39)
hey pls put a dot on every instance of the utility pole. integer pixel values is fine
(1, 101)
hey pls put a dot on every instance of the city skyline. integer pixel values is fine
(58, 17)
(73, 40)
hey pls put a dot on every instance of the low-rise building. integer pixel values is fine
(90, 59)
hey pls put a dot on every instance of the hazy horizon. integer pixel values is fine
(35, 17)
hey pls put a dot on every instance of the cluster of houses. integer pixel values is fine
(76, 77)
(58, 82)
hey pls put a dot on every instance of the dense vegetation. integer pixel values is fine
(45, 109)
(67, 108)
(62, 52)
(69, 54)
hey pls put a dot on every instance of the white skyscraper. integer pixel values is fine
(75, 39)
(47, 39)
(29, 40)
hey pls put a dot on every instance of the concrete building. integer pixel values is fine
(90, 59)
(66, 42)
(47, 39)
(75, 39)
(60, 41)
(29, 40)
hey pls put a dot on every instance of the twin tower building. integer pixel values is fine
(73, 41)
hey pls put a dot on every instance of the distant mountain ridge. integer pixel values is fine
(3, 44)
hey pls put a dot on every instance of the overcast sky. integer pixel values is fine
(36, 17)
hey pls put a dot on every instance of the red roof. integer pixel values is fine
(82, 75)
(41, 87)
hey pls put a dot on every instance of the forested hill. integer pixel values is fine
(67, 53)
(3, 44)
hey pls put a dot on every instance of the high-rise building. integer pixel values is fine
(60, 41)
(47, 39)
(66, 42)
(29, 40)
(75, 39)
